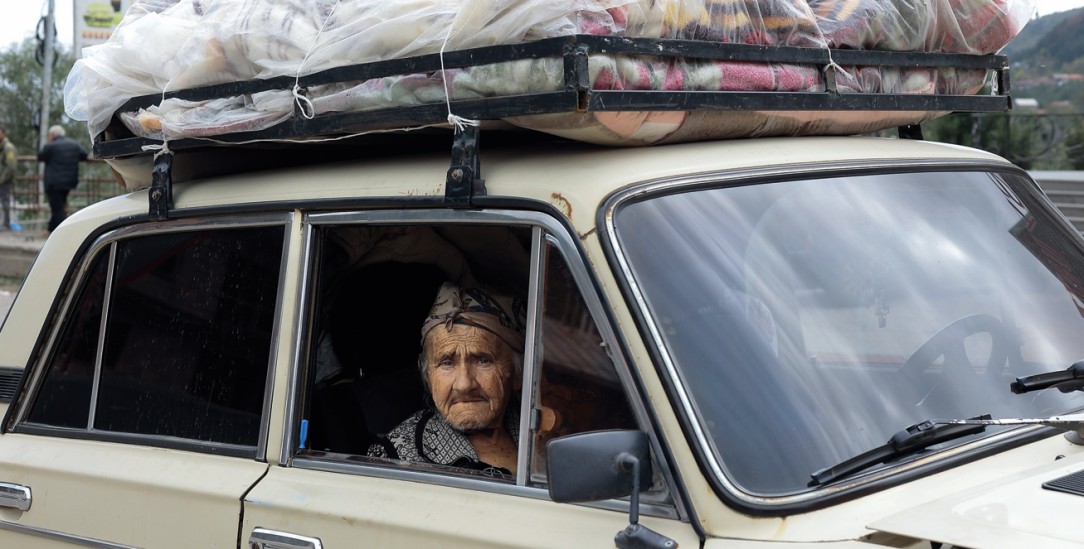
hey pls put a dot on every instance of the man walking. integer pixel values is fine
(61, 155)
(7, 175)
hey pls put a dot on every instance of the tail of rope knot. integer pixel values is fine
(304, 104)
(460, 123)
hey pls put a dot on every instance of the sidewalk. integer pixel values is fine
(18, 250)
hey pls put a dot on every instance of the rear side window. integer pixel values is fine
(64, 399)
(185, 347)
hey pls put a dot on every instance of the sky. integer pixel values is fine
(21, 17)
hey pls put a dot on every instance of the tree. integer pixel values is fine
(952, 128)
(1074, 145)
(20, 105)
(20, 95)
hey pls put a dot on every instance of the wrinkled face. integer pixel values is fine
(470, 373)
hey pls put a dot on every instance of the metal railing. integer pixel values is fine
(30, 207)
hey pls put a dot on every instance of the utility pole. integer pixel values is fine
(46, 91)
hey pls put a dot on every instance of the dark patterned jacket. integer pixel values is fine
(427, 438)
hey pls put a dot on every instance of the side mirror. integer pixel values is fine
(604, 465)
(585, 466)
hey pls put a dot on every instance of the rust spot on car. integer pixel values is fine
(561, 202)
(588, 233)
(782, 529)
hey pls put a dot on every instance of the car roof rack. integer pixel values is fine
(576, 96)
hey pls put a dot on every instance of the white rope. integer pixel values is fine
(304, 104)
(832, 63)
(159, 149)
(303, 141)
(458, 122)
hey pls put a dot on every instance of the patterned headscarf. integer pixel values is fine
(504, 316)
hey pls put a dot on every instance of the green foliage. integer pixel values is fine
(1032, 140)
(20, 95)
(1062, 44)
(20, 99)
(1074, 146)
(1035, 31)
(953, 128)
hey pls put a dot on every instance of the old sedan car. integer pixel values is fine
(761, 311)
(795, 341)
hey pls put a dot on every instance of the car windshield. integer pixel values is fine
(810, 320)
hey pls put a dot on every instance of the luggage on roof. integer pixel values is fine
(624, 72)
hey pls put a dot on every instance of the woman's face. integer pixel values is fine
(470, 373)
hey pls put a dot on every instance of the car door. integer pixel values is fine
(144, 423)
(373, 279)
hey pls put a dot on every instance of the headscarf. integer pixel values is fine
(503, 316)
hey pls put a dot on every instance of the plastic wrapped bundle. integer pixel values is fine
(168, 45)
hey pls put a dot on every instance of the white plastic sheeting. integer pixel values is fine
(168, 45)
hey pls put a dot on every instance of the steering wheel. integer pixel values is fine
(949, 342)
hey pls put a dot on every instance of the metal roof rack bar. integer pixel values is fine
(550, 47)
(463, 180)
(702, 49)
(605, 100)
(553, 47)
(576, 95)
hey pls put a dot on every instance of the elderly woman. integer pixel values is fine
(471, 363)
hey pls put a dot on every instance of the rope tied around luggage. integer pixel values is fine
(159, 149)
(458, 122)
(304, 104)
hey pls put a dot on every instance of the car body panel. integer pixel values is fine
(124, 494)
(343, 510)
(990, 514)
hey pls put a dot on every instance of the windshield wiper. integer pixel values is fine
(1038, 382)
(911, 440)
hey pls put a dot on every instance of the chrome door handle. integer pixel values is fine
(263, 538)
(14, 496)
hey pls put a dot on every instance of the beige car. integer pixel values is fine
(311, 326)
(758, 342)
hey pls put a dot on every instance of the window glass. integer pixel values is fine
(64, 397)
(376, 286)
(810, 320)
(379, 289)
(578, 389)
(188, 341)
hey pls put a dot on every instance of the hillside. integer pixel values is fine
(1053, 43)
(1034, 32)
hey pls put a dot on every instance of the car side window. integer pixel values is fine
(376, 286)
(384, 291)
(186, 344)
(63, 400)
(578, 388)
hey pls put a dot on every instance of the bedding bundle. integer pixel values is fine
(169, 45)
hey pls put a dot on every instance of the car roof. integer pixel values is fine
(567, 174)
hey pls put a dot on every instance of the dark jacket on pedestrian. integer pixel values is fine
(62, 156)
